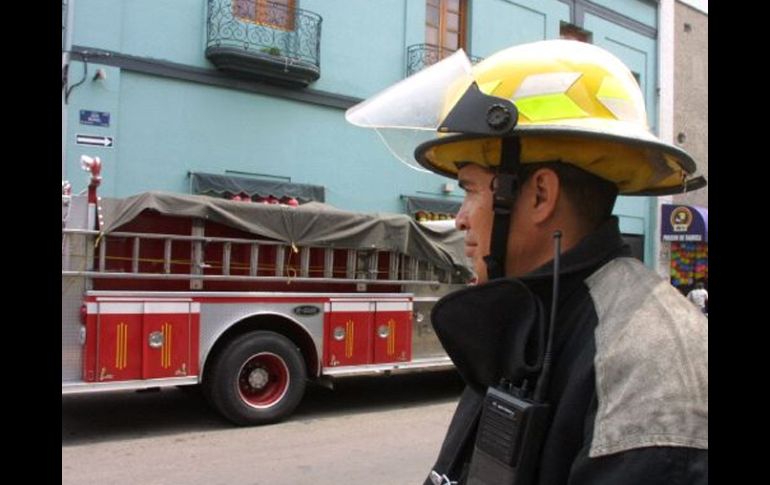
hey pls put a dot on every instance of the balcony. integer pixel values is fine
(420, 56)
(263, 41)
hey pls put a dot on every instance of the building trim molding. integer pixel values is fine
(578, 8)
(211, 77)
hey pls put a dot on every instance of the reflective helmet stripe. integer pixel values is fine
(549, 107)
(549, 83)
(542, 97)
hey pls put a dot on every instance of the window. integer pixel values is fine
(573, 32)
(445, 25)
(275, 13)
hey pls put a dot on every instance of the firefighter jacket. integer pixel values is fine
(629, 384)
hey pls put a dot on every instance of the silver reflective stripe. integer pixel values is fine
(651, 362)
(551, 83)
(622, 109)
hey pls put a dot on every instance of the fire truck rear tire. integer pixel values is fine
(258, 378)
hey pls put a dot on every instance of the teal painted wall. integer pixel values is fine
(164, 128)
(508, 23)
(362, 44)
(167, 128)
(172, 30)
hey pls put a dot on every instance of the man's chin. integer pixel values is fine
(481, 274)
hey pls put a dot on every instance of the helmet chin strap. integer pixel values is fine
(506, 186)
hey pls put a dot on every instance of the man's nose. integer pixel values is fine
(461, 220)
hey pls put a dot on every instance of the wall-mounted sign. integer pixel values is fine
(684, 223)
(94, 140)
(94, 118)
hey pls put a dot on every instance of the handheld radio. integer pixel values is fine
(514, 421)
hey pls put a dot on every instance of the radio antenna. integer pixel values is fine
(545, 374)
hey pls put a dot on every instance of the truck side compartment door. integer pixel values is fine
(393, 331)
(134, 339)
(348, 333)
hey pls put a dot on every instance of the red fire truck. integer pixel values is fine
(249, 301)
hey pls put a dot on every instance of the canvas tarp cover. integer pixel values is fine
(311, 224)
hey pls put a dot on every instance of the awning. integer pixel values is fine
(685, 223)
(439, 206)
(208, 184)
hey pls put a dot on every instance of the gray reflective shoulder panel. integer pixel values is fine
(651, 362)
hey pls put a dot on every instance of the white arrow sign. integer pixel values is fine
(94, 140)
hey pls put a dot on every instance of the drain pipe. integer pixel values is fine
(65, 61)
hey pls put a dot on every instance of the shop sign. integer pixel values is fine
(683, 223)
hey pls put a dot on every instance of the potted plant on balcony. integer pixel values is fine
(273, 51)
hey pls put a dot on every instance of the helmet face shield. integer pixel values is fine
(409, 113)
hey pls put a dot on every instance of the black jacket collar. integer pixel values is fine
(496, 330)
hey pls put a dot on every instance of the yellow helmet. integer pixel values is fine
(565, 100)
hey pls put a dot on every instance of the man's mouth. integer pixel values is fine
(470, 249)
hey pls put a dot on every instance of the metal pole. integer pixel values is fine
(661, 251)
(66, 48)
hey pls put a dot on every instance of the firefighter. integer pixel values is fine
(542, 137)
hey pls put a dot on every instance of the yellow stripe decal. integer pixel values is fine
(121, 347)
(117, 346)
(163, 346)
(352, 337)
(348, 338)
(165, 355)
(167, 344)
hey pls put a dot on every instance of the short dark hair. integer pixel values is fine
(592, 197)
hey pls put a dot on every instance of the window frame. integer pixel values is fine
(262, 10)
(442, 29)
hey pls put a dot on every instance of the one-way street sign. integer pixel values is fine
(94, 140)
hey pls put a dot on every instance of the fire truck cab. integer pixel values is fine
(248, 300)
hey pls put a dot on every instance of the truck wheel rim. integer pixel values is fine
(263, 380)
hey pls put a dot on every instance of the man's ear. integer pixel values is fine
(546, 188)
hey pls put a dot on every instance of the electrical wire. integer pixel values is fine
(68, 90)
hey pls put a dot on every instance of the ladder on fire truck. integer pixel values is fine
(360, 267)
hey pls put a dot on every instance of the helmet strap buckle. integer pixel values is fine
(505, 187)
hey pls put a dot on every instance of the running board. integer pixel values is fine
(86, 387)
(435, 364)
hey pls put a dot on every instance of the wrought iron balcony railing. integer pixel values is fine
(420, 56)
(264, 40)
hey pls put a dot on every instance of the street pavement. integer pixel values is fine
(374, 431)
